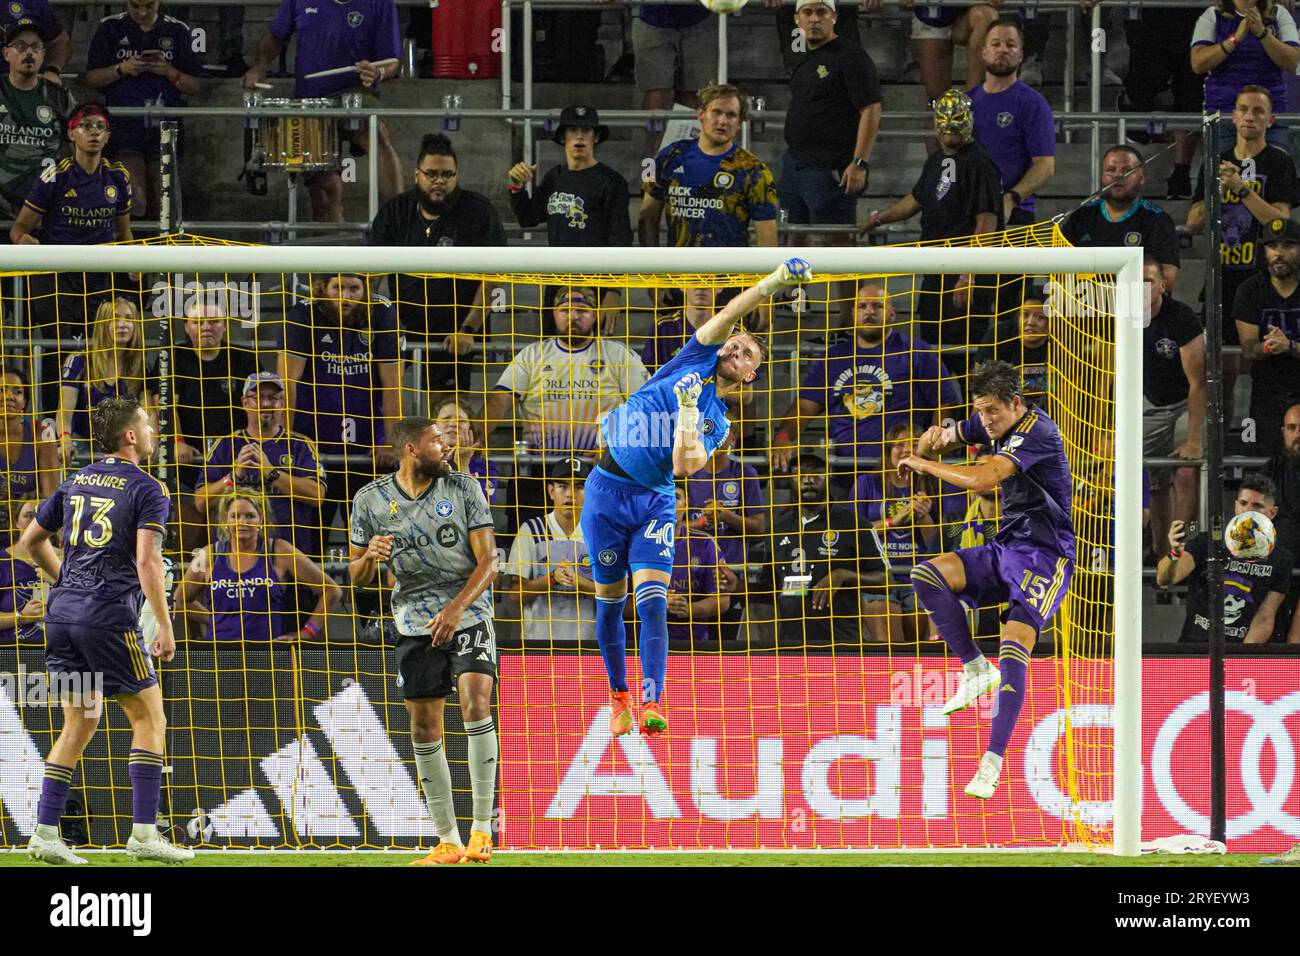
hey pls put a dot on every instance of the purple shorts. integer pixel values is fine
(120, 656)
(1032, 582)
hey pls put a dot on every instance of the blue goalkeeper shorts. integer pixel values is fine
(626, 526)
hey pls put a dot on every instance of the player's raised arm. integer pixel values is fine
(689, 453)
(719, 328)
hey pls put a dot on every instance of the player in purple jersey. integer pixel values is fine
(1027, 566)
(111, 516)
(243, 580)
(332, 35)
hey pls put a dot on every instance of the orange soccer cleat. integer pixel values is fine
(653, 720)
(621, 717)
(442, 853)
(479, 849)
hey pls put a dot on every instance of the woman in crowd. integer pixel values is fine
(467, 454)
(114, 364)
(244, 581)
(22, 593)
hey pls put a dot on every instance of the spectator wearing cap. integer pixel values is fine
(1120, 216)
(548, 572)
(34, 113)
(55, 39)
(140, 58)
(726, 502)
(360, 34)
(342, 370)
(958, 194)
(675, 48)
(1267, 313)
(565, 383)
(1013, 122)
(831, 126)
(264, 455)
(709, 188)
(582, 201)
(436, 211)
(563, 386)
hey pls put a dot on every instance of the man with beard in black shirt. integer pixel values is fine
(1267, 314)
(823, 558)
(1284, 471)
(437, 212)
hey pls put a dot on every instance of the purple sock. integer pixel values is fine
(1011, 694)
(54, 794)
(145, 769)
(947, 612)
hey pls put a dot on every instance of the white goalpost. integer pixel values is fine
(1129, 304)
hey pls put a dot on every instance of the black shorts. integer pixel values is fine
(427, 671)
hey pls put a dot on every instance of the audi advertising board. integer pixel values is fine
(765, 751)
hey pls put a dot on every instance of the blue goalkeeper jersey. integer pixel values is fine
(639, 433)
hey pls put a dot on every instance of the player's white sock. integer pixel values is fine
(144, 832)
(435, 781)
(483, 770)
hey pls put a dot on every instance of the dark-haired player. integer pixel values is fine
(433, 528)
(112, 516)
(667, 429)
(1028, 564)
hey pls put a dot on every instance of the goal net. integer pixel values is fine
(804, 683)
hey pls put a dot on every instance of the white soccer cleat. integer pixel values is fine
(52, 851)
(158, 849)
(972, 687)
(985, 782)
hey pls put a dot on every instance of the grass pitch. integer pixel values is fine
(505, 858)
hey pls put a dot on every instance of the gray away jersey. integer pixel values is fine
(432, 558)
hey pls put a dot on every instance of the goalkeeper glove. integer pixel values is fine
(790, 272)
(688, 390)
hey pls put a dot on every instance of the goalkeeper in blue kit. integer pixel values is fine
(667, 429)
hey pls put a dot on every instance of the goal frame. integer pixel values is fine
(1124, 262)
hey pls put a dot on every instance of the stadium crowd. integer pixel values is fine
(800, 519)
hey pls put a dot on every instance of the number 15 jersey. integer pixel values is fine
(99, 510)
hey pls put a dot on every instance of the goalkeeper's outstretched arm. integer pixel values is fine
(689, 453)
(719, 328)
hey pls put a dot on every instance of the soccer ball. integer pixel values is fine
(1250, 536)
(723, 7)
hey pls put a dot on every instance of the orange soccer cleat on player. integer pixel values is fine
(442, 853)
(621, 717)
(653, 720)
(479, 849)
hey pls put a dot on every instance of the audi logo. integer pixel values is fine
(1267, 804)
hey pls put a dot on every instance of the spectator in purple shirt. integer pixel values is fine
(139, 58)
(335, 34)
(726, 501)
(879, 380)
(1013, 122)
(58, 49)
(1241, 43)
(22, 604)
(695, 600)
